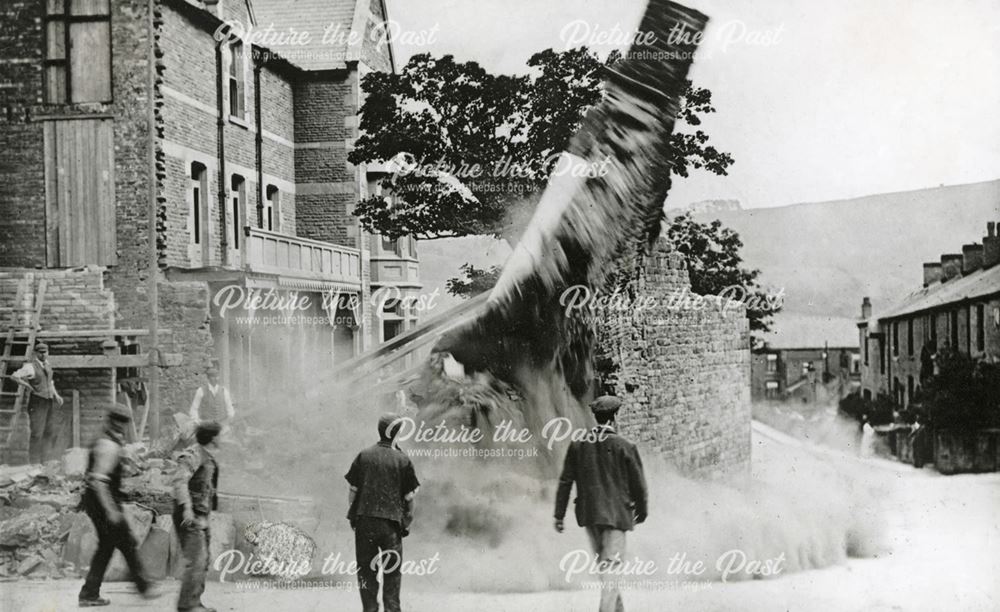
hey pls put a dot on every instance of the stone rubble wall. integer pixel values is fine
(682, 371)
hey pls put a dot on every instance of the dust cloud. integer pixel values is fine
(487, 521)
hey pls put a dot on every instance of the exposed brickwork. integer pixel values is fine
(683, 375)
(307, 123)
(74, 300)
(185, 313)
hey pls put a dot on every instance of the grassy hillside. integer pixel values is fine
(828, 255)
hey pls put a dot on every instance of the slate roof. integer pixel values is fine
(315, 17)
(801, 331)
(981, 283)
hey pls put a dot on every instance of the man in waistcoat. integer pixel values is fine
(195, 486)
(212, 402)
(101, 501)
(383, 485)
(611, 495)
(43, 404)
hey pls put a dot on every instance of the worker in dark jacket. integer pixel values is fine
(102, 501)
(195, 486)
(611, 492)
(383, 485)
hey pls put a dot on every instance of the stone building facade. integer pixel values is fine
(806, 357)
(163, 138)
(958, 307)
(683, 373)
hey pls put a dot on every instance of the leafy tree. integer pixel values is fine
(475, 281)
(716, 267)
(963, 394)
(477, 148)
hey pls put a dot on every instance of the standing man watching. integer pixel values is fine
(383, 485)
(611, 493)
(43, 403)
(195, 487)
(101, 501)
(212, 402)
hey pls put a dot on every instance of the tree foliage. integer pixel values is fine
(963, 393)
(477, 148)
(714, 263)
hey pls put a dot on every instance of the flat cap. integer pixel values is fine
(209, 427)
(119, 412)
(41, 346)
(384, 422)
(606, 404)
(207, 431)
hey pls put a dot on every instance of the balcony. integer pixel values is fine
(299, 258)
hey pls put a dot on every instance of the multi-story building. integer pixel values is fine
(172, 138)
(958, 307)
(801, 353)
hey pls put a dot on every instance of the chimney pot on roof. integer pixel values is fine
(990, 228)
(991, 248)
(866, 308)
(972, 258)
(951, 266)
(932, 273)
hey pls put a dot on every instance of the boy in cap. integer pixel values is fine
(43, 403)
(383, 485)
(195, 486)
(611, 492)
(101, 500)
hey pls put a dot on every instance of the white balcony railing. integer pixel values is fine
(274, 253)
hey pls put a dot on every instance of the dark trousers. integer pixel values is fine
(373, 537)
(109, 538)
(44, 420)
(194, 547)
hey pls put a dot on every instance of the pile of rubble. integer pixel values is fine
(44, 534)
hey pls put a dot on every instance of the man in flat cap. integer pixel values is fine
(383, 485)
(195, 496)
(102, 501)
(611, 493)
(43, 404)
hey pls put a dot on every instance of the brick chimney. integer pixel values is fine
(932, 273)
(951, 266)
(972, 258)
(991, 246)
(866, 308)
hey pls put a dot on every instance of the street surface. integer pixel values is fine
(942, 535)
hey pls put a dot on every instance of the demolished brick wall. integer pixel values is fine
(683, 372)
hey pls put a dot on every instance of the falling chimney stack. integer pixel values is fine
(932, 273)
(972, 258)
(951, 266)
(991, 246)
(866, 308)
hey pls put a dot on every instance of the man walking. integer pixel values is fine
(101, 501)
(383, 485)
(43, 404)
(195, 487)
(611, 493)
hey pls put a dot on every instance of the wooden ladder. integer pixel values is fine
(19, 346)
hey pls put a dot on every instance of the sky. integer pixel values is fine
(816, 100)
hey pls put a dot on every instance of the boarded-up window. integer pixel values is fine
(77, 51)
(80, 192)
